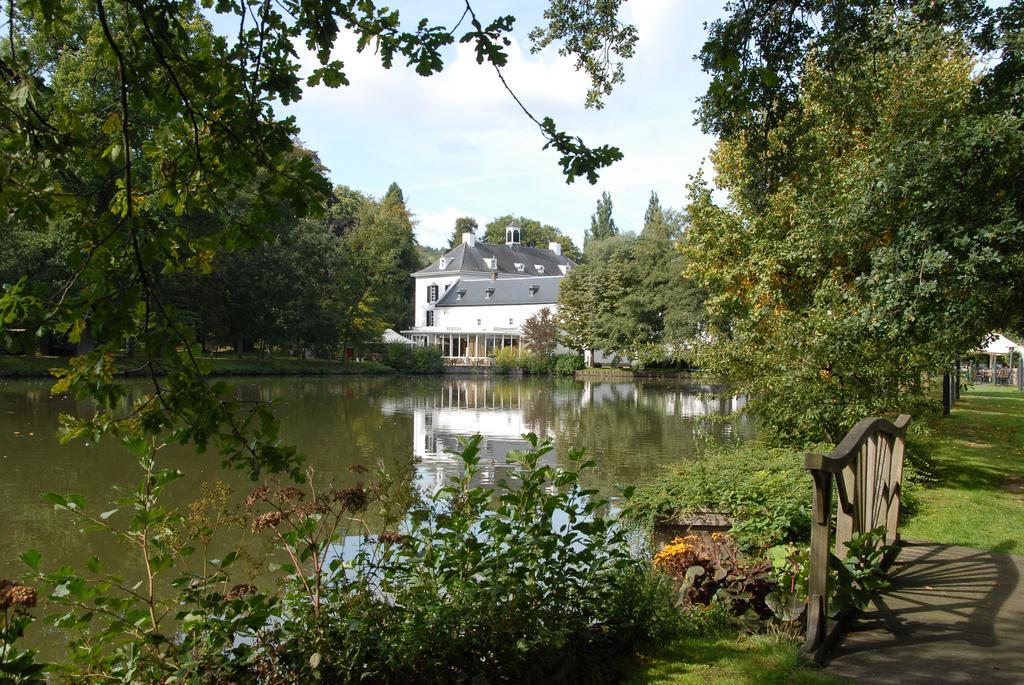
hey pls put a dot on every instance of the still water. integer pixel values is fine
(629, 429)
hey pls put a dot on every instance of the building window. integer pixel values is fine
(478, 322)
(431, 293)
(430, 317)
(510, 322)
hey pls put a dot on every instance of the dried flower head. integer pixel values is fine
(20, 597)
(239, 591)
(257, 495)
(390, 537)
(308, 510)
(291, 494)
(352, 499)
(271, 519)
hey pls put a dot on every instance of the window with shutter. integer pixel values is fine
(431, 293)
(430, 317)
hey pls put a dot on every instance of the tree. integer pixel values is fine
(579, 306)
(878, 237)
(602, 225)
(540, 333)
(534, 234)
(631, 299)
(661, 223)
(464, 224)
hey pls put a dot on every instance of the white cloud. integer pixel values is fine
(434, 229)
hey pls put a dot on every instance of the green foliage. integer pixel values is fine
(592, 33)
(602, 225)
(708, 620)
(414, 359)
(873, 233)
(766, 491)
(527, 583)
(860, 575)
(566, 364)
(464, 224)
(630, 298)
(506, 359)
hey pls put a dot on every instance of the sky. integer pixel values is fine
(458, 145)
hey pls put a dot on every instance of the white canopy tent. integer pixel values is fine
(391, 337)
(999, 345)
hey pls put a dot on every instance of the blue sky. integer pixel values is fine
(457, 144)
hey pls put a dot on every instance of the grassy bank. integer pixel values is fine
(40, 367)
(975, 457)
(727, 660)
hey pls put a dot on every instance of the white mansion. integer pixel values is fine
(474, 299)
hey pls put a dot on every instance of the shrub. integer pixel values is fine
(506, 359)
(766, 491)
(526, 583)
(566, 364)
(413, 359)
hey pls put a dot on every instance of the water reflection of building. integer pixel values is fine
(461, 408)
(502, 411)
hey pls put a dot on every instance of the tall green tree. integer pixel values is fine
(464, 224)
(602, 224)
(631, 298)
(661, 223)
(874, 234)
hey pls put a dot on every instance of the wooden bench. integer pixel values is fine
(866, 471)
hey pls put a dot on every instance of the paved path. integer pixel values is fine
(951, 615)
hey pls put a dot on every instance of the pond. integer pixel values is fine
(629, 429)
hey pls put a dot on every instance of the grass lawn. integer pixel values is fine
(732, 660)
(36, 367)
(976, 456)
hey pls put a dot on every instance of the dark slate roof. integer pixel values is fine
(472, 258)
(505, 291)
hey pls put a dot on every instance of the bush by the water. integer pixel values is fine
(766, 491)
(528, 582)
(414, 359)
(508, 359)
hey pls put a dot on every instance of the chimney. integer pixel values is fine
(468, 238)
(556, 248)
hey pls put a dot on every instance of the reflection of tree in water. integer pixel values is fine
(632, 430)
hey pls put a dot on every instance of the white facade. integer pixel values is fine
(474, 299)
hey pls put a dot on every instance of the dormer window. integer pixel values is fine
(539, 268)
(534, 289)
(564, 268)
(461, 292)
(444, 263)
(520, 267)
(492, 263)
(488, 293)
